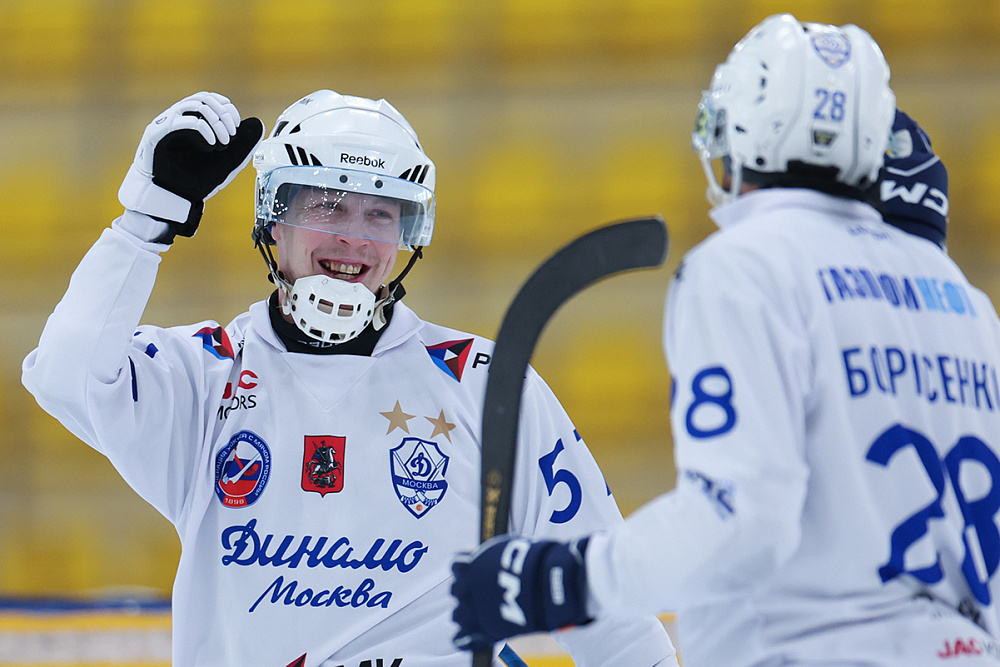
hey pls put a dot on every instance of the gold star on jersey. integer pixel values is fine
(397, 419)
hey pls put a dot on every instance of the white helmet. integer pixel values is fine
(341, 144)
(796, 103)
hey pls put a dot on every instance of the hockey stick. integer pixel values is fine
(633, 244)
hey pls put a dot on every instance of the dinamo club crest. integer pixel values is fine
(323, 463)
(832, 48)
(418, 474)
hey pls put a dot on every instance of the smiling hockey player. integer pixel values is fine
(319, 456)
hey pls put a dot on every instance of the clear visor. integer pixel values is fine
(709, 138)
(709, 142)
(347, 202)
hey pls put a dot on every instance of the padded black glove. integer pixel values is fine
(187, 154)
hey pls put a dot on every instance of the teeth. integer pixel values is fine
(349, 269)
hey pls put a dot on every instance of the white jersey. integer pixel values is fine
(836, 419)
(319, 499)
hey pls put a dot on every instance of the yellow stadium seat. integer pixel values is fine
(224, 248)
(169, 38)
(51, 449)
(26, 195)
(45, 40)
(646, 26)
(229, 218)
(514, 196)
(416, 33)
(531, 29)
(908, 22)
(817, 11)
(614, 381)
(57, 545)
(306, 33)
(983, 173)
(644, 175)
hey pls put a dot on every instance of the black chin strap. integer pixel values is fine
(394, 290)
(265, 251)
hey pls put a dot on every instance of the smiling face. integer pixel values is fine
(344, 235)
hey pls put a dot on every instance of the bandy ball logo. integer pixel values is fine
(242, 469)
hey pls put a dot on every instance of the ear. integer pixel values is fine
(275, 231)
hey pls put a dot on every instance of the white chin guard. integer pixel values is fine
(327, 309)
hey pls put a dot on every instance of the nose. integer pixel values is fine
(345, 240)
(353, 229)
(353, 236)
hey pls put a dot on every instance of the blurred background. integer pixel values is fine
(546, 118)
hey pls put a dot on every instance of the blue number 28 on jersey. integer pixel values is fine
(977, 514)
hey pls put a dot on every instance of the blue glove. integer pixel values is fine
(913, 183)
(512, 586)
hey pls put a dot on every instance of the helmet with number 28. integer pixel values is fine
(796, 104)
(329, 150)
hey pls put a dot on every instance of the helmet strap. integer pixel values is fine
(391, 293)
(274, 275)
(394, 291)
(736, 182)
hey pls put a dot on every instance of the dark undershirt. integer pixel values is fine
(296, 340)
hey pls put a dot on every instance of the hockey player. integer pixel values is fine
(835, 409)
(319, 456)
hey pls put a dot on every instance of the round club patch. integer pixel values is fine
(242, 468)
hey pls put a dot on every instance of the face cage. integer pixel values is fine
(329, 310)
(394, 290)
(417, 212)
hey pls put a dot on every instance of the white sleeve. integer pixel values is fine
(90, 367)
(560, 493)
(740, 371)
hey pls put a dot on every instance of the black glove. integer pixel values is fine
(187, 154)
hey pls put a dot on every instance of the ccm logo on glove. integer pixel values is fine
(509, 578)
(513, 585)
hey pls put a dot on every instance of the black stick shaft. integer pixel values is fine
(633, 244)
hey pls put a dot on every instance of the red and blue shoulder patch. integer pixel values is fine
(451, 356)
(216, 341)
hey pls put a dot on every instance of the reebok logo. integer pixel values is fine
(363, 160)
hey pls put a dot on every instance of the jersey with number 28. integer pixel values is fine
(836, 418)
